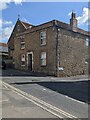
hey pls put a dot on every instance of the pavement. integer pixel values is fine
(40, 77)
(18, 73)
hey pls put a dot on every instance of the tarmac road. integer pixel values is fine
(15, 72)
(78, 90)
(68, 95)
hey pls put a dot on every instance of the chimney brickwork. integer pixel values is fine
(73, 22)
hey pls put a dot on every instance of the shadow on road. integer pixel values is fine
(20, 73)
(77, 90)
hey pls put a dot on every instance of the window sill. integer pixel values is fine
(43, 65)
(22, 48)
(23, 65)
(43, 45)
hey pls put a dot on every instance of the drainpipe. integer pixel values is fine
(89, 59)
(57, 49)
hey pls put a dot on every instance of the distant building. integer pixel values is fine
(54, 48)
(3, 50)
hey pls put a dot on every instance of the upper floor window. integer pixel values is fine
(22, 45)
(87, 41)
(43, 58)
(43, 38)
(18, 28)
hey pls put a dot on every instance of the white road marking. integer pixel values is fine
(44, 89)
(50, 108)
(74, 100)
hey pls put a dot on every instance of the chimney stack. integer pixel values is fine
(73, 22)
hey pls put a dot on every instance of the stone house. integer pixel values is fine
(53, 48)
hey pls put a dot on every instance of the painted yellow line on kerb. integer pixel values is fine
(41, 103)
(37, 104)
(3, 100)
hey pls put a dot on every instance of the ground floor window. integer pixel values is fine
(23, 59)
(43, 58)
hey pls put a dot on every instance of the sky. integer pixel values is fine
(39, 12)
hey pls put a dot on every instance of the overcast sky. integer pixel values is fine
(40, 12)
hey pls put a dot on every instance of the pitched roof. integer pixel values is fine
(3, 47)
(24, 24)
(68, 27)
(3, 44)
(59, 24)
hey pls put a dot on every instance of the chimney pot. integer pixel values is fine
(73, 22)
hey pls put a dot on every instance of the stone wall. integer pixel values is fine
(32, 44)
(73, 53)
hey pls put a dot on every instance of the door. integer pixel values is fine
(30, 62)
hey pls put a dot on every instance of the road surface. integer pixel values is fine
(16, 106)
(67, 95)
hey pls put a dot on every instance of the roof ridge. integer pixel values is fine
(25, 22)
(60, 24)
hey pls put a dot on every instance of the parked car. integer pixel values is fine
(2, 64)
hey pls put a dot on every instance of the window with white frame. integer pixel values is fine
(86, 59)
(87, 41)
(43, 38)
(23, 59)
(22, 45)
(43, 58)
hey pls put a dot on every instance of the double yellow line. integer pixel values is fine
(44, 105)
